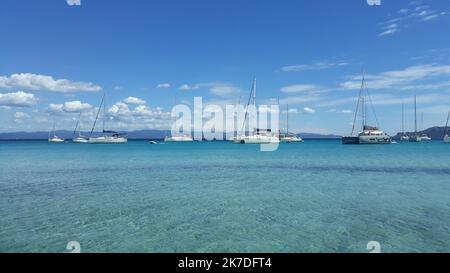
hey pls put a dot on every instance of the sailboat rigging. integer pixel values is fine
(107, 137)
(369, 134)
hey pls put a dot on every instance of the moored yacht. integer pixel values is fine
(182, 138)
(80, 138)
(288, 137)
(425, 137)
(369, 134)
(372, 135)
(107, 137)
(54, 138)
(258, 136)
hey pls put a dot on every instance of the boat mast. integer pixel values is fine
(403, 119)
(287, 119)
(252, 95)
(104, 114)
(358, 104)
(96, 117)
(415, 115)
(446, 124)
(76, 126)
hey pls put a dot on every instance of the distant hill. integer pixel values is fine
(138, 134)
(433, 132)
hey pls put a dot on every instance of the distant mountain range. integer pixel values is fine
(139, 134)
(433, 132)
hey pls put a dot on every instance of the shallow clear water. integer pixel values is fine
(317, 196)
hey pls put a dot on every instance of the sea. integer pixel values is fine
(317, 196)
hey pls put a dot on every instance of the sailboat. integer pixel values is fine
(446, 136)
(108, 137)
(369, 134)
(80, 138)
(404, 137)
(54, 138)
(415, 137)
(178, 138)
(289, 137)
(258, 136)
(424, 137)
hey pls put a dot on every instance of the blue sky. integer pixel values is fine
(57, 59)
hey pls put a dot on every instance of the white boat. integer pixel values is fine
(416, 137)
(446, 136)
(258, 136)
(152, 142)
(183, 138)
(288, 137)
(113, 138)
(54, 138)
(372, 135)
(404, 138)
(292, 138)
(369, 134)
(80, 138)
(425, 137)
(107, 137)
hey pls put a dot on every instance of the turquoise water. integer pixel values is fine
(317, 196)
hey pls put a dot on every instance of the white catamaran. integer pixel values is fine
(54, 138)
(369, 134)
(446, 136)
(258, 136)
(107, 137)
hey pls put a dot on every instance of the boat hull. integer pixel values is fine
(55, 140)
(350, 140)
(446, 139)
(291, 139)
(107, 140)
(375, 140)
(258, 140)
(178, 139)
(80, 140)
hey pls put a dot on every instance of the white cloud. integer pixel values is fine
(347, 111)
(319, 65)
(399, 78)
(298, 88)
(186, 87)
(308, 110)
(390, 29)
(221, 89)
(163, 85)
(18, 99)
(135, 101)
(21, 115)
(73, 2)
(69, 107)
(408, 17)
(29, 81)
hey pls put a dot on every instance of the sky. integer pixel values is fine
(58, 57)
